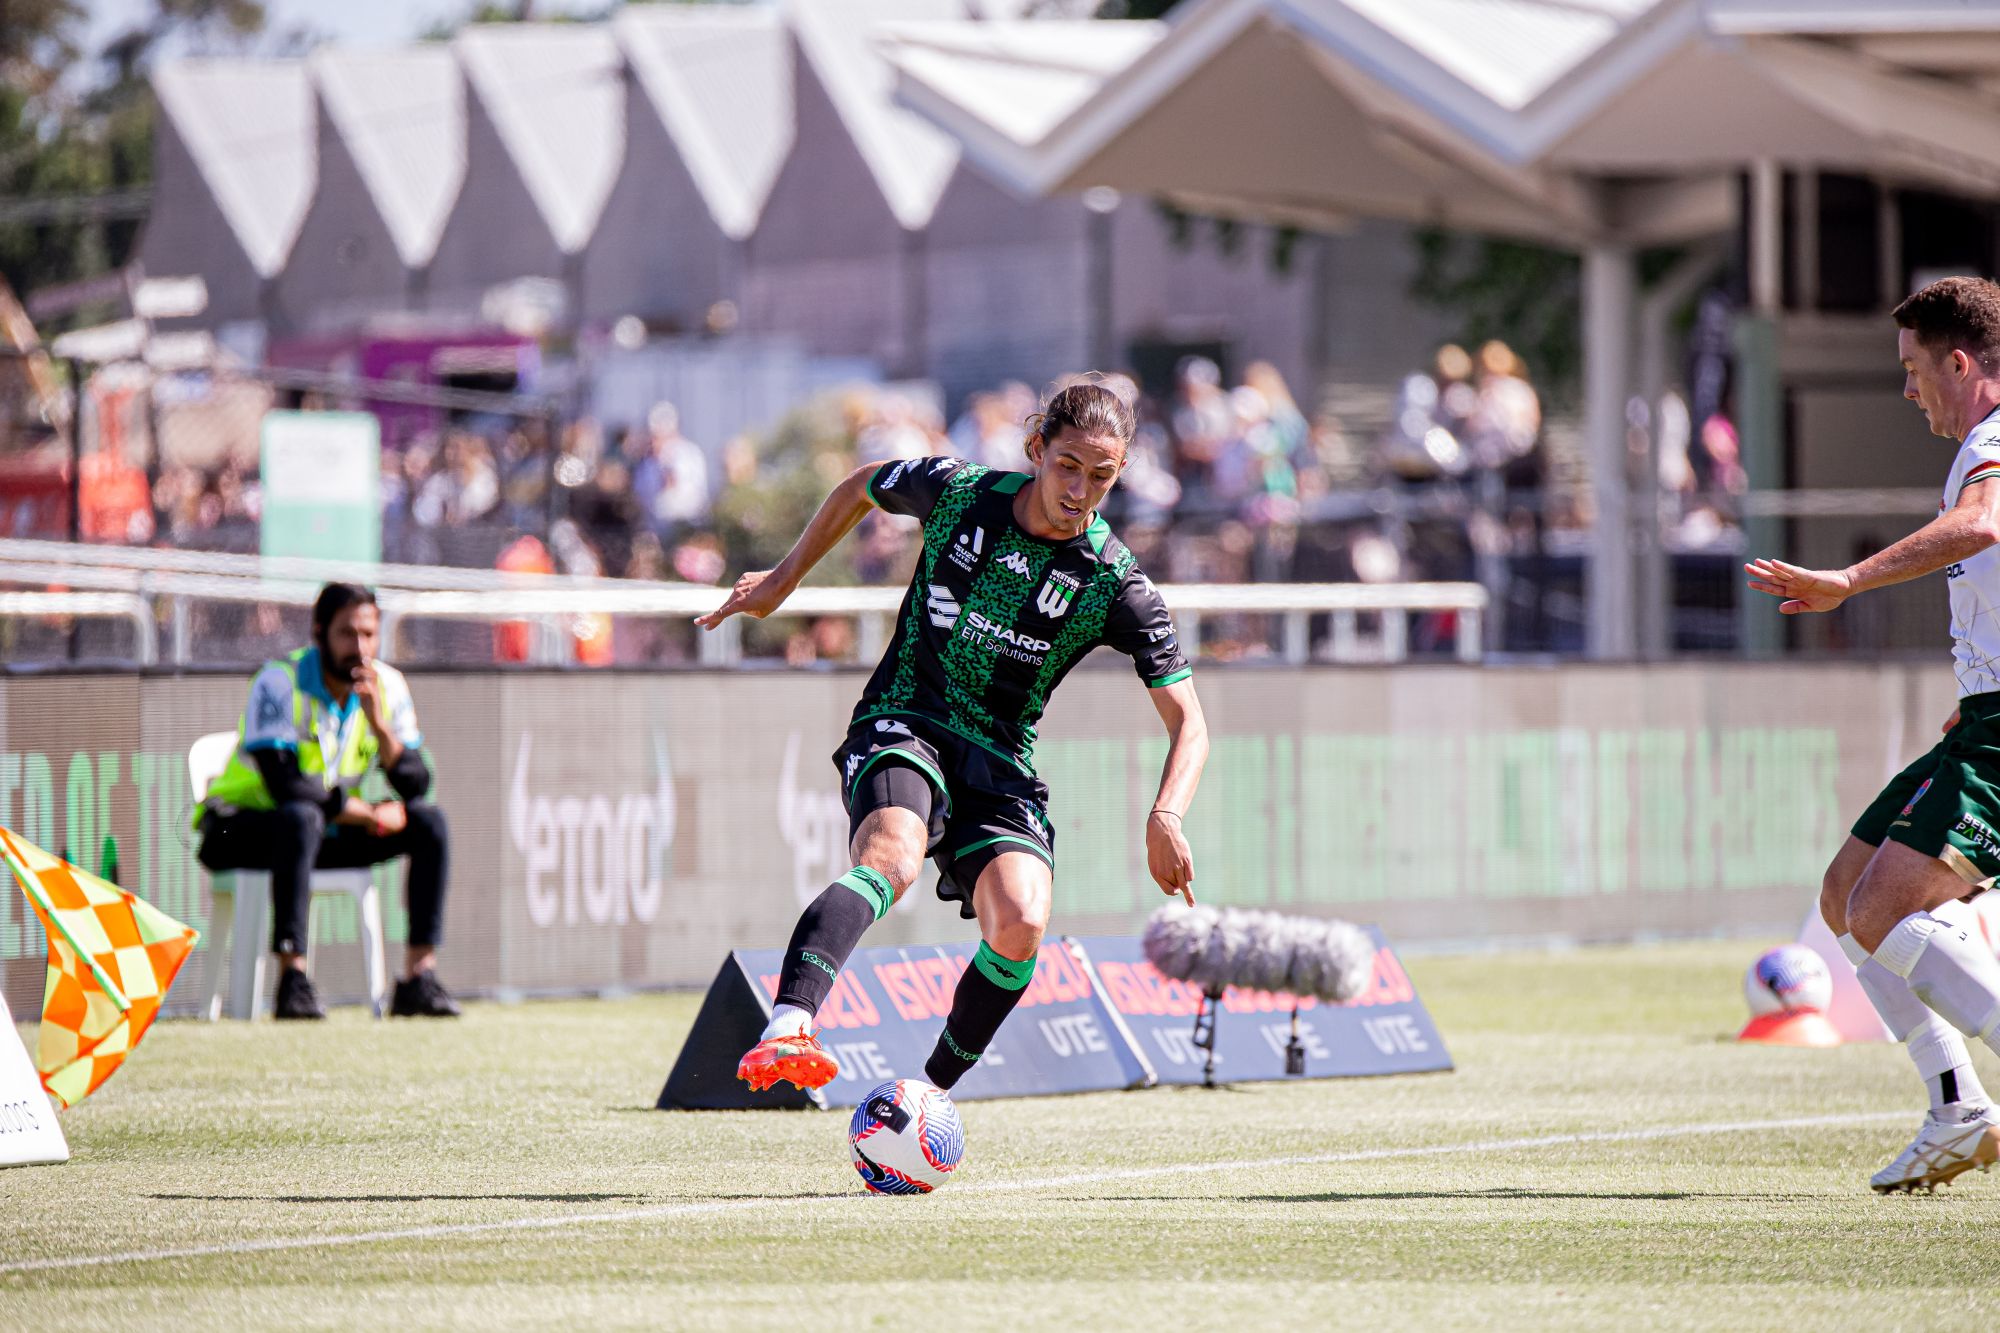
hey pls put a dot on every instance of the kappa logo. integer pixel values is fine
(942, 606)
(895, 475)
(1018, 563)
(940, 466)
(966, 551)
(1056, 594)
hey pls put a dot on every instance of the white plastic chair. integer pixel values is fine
(249, 917)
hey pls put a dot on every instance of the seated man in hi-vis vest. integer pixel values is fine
(318, 720)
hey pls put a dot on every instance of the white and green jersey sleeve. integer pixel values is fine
(1975, 582)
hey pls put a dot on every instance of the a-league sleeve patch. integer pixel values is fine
(267, 720)
(912, 486)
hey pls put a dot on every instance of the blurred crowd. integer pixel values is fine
(1226, 482)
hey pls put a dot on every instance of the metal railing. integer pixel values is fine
(151, 592)
(129, 607)
(169, 561)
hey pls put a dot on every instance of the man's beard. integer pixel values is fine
(343, 668)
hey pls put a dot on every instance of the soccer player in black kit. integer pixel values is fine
(1019, 579)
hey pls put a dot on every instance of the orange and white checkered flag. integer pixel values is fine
(112, 956)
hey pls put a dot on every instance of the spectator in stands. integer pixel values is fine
(675, 475)
(524, 476)
(318, 721)
(1506, 421)
(514, 639)
(1202, 421)
(609, 512)
(1457, 396)
(590, 631)
(466, 488)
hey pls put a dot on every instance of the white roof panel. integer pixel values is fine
(1034, 9)
(401, 113)
(1510, 51)
(555, 95)
(249, 125)
(910, 158)
(1022, 78)
(1780, 17)
(721, 81)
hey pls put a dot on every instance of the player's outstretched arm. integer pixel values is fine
(1167, 855)
(1961, 532)
(760, 592)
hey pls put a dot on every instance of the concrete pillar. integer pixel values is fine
(1610, 281)
(1760, 429)
(1805, 238)
(1767, 238)
(1889, 254)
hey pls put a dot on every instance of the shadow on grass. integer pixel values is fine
(395, 1198)
(1500, 1192)
(1393, 1196)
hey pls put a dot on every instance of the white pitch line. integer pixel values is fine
(281, 1243)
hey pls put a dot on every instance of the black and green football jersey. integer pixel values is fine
(995, 617)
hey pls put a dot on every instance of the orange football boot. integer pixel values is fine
(801, 1060)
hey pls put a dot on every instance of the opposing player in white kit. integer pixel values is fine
(1896, 892)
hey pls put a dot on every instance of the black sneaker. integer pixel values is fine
(423, 996)
(296, 996)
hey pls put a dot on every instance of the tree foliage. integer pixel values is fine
(75, 124)
(1525, 295)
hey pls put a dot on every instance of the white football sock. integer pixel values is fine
(1935, 1046)
(1948, 970)
(787, 1020)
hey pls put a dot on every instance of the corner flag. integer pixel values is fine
(112, 957)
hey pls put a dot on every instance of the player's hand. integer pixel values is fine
(1167, 856)
(390, 818)
(1951, 722)
(756, 594)
(368, 689)
(1803, 589)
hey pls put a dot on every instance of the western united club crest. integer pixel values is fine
(1056, 594)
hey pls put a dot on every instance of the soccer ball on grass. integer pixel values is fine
(1786, 979)
(906, 1137)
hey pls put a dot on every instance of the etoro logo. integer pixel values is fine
(942, 606)
(600, 858)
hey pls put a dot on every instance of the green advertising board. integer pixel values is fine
(322, 483)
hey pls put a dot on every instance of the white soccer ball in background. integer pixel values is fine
(1788, 978)
(906, 1137)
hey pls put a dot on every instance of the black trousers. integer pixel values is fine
(293, 839)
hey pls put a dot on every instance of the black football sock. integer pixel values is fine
(986, 994)
(828, 932)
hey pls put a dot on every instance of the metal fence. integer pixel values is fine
(144, 607)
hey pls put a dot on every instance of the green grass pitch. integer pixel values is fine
(507, 1171)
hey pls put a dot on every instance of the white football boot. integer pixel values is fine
(1943, 1150)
